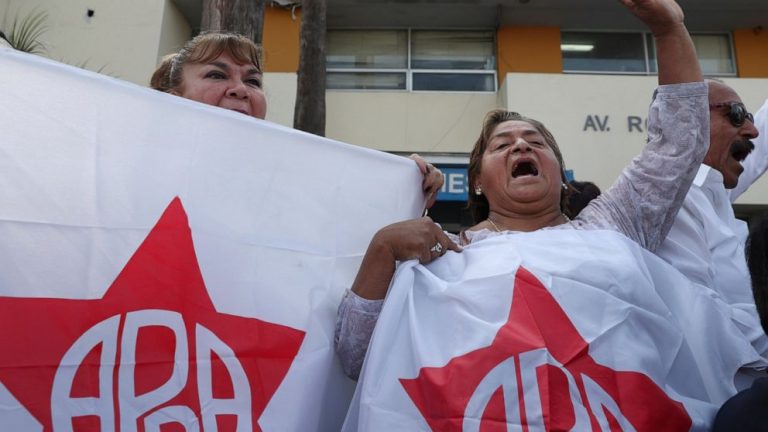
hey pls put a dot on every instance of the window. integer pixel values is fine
(635, 53)
(411, 60)
(367, 59)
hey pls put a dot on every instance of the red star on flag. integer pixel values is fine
(538, 373)
(151, 354)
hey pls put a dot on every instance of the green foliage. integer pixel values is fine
(24, 34)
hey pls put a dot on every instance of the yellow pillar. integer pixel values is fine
(528, 49)
(751, 49)
(280, 39)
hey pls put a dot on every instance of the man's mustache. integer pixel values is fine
(741, 149)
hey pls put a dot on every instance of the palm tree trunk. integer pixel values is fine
(309, 111)
(238, 16)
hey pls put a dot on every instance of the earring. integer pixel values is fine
(478, 190)
(565, 187)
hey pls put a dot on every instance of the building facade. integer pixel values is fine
(419, 75)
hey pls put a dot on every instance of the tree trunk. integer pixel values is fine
(245, 17)
(309, 112)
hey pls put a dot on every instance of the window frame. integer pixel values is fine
(649, 49)
(409, 72)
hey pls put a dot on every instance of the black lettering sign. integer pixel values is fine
(634, 122)
(596, 123)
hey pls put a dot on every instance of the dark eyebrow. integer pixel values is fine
(224, 66)
(221, 65)
(526, 132)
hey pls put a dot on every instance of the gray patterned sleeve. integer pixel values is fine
(355, 321)
(644, 201)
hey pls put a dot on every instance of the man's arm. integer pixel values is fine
(674, 48)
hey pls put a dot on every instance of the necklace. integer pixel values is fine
(495, 227)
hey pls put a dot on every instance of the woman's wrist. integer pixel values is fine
(376, 271)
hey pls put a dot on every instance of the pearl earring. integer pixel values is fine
(478, 190)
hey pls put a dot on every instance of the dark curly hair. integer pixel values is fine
(478, 204)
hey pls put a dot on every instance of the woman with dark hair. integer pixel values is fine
(517, 182)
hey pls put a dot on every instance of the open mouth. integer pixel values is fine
(741, 149)
(524, 168)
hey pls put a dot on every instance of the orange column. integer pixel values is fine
(528, 49)
(751, 47)
(280, 39)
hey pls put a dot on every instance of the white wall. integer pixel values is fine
(280, 89)
(407, 122)
(122, 39)
(175, 31)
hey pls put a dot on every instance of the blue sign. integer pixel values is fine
(456, 186)
(456, 183)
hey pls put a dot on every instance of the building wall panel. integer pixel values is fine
(281, 39)
(528, 49)
(751, 46)
(120, 39)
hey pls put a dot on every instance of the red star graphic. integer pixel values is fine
(162, 279)
(536, 321)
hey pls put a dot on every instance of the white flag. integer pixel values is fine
(551, 330)
(168, 262)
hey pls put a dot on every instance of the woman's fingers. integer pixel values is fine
(442, 244)
(449, 244)
(420, 239)
(432, 181)
(420, 162)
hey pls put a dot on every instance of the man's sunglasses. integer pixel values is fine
(737, 112)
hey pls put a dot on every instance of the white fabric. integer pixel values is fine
(757, 162)
(280, 219)
(706, 242)
(640, 315)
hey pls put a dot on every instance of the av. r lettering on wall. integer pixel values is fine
(601, 123)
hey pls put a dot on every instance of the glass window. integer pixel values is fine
(453, 82)
(714, 52)
(452, 50)
(603, 52)
(626, 53)
(359, 49)
(365, 80)
(411, 60)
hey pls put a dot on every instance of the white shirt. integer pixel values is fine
(706, 242)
